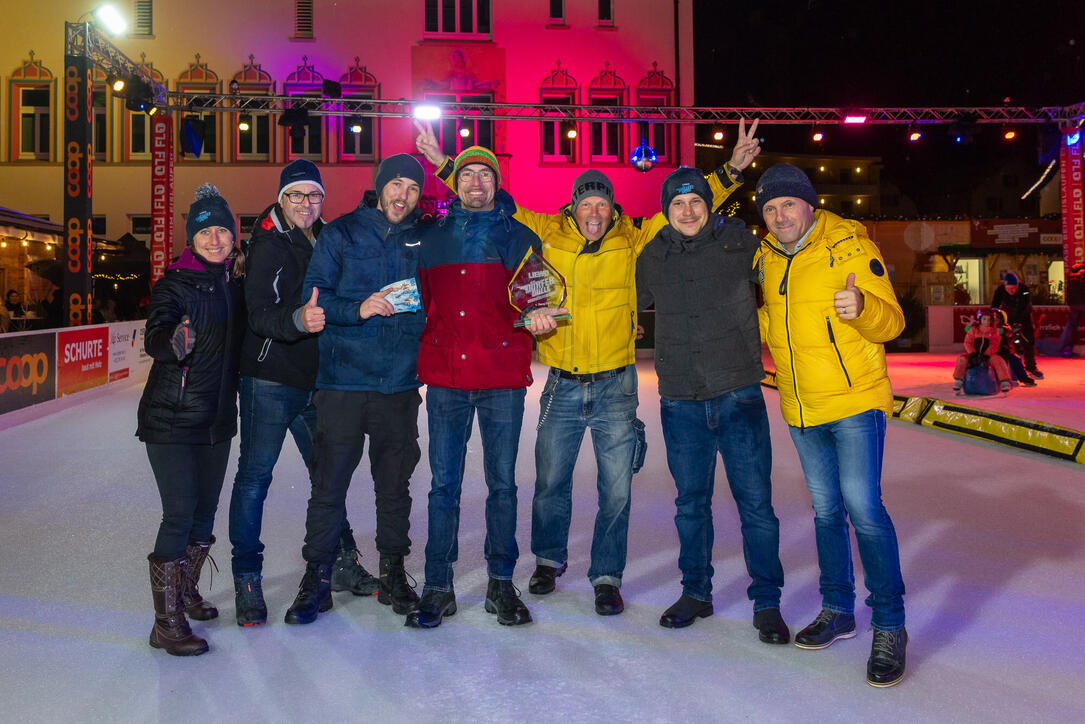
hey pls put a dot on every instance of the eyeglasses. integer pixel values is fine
(296, 197)
(483, 176)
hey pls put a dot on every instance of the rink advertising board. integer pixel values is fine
(127, 358)
(82, 356)
(1047, 321)
(27, 370)
(1072, 196)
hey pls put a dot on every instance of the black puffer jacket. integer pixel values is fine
(193, 401)
(275, 264)
(707, 340)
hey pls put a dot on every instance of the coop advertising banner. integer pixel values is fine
(82, 359)
(27, 370)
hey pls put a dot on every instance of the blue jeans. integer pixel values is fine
(736, 426)
(268, 410)
(608, 407)
(451, 415)
(842, 461)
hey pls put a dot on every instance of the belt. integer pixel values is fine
(590, 377)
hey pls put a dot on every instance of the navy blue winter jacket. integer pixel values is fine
(355, 256)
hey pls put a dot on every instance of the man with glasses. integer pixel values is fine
(367, 385)
(278, 375)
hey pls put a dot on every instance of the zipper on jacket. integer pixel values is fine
(832, 338)
(184, 379)
(264, 350)
(787, 329)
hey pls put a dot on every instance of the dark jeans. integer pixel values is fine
(268, 410)
(451, 415)
(343, 419)
(734, 425)
(189, 479)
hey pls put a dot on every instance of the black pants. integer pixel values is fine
(189, 479)
(343, 420)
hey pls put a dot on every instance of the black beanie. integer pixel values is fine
(1010, 278)
(783, 179)
(400, 165)
(684, 180)
(209, 209)
(299, 172)
(592, 183)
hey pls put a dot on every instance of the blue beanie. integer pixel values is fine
(400, 165)
(209, 209)
(783, 179)
(684, 180)
(299, 172)
(1010, 278)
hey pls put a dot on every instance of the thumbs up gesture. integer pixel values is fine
(848, 302)
(183, 340)
(312, 316)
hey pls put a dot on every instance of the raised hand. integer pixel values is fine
(183, 340)
(312, 316)
(376, 304)
(848, 302)
(427, 145)
(747, 145)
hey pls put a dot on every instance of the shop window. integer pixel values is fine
(459, 18)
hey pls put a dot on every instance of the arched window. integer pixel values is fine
(252, 128)
(305, 140)
(606, 139)
(557, 138)
(198, 78)
(137, 124)
(656, 89)
(359, 137)
(32, 89)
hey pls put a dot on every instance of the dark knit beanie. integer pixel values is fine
(1010, 278)
(783, 179)
(592, 183)
(209, 209)
(299, 172)
(476, 154)
(684, 180)
(401, 165)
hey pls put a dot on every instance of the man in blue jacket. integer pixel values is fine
(366, 384)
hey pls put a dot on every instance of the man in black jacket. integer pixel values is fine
(279, 361)
(1013, 298)
(708, 360)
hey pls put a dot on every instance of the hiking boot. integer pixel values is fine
(886, 664)
(314, 595)
(503, 599)
(432, 608)
(544, 579)
(395, 590)
(171, 631)
(349, 575)
(249, 605)
(826, 628)
(196, 554)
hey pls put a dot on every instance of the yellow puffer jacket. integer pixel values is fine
(827, 369)
(601, 293)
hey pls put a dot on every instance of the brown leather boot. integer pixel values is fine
(171, 631)
(195, 555)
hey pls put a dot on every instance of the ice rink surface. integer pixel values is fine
(992, 542)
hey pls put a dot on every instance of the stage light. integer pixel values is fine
(354, 124)
(235, 87)
(854, 119)
(571, 133)
(116, 83)
(297, 120)
(139, 96)
(1073, 138)
(858, 169)
(1009, 134)
(821, 201)
(110, 19)
(817, 136)
(821, 168)
(243, 126)
(427, 113)
(332, 89)
(717, 136)
(914, 134)
(465, 132)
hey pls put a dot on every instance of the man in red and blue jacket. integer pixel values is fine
(474, 361)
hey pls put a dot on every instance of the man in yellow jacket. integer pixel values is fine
(592, 381)
(829, 308)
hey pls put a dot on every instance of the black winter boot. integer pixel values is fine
(314, 595)
(503, 599)
(171, 631)
(249, 600)
(395, 590)
(196, 554)
(349, 575)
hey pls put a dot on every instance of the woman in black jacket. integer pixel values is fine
(188, 412)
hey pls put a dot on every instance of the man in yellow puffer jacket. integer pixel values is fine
(829, 308)
(592, 381)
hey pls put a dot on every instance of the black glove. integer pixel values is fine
(976, 359)
(184, 338)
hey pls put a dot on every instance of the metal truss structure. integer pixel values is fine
(84, 39)
(400, 108)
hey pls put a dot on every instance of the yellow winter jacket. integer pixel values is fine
(827, 369)
(601, 292)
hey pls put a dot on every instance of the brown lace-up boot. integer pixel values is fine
(195, 554)
(171, 631)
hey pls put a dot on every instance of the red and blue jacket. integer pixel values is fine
(468, 258)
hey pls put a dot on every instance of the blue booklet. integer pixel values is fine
(404, 295)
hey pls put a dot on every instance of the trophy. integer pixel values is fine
(536, 284)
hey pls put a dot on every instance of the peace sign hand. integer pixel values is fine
(747, 145)
(426, 143)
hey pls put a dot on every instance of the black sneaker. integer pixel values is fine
(886, 664)
(544, 578)
(249, 600)
(349, 575)
(826, 628)
(432, 609)
(503, 599)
